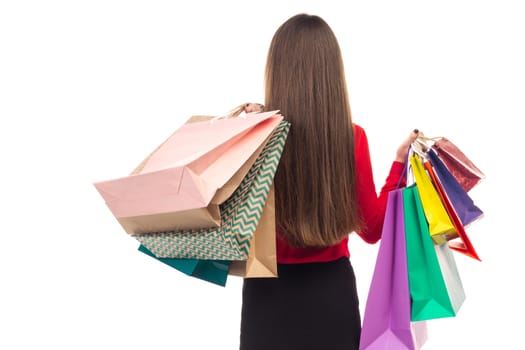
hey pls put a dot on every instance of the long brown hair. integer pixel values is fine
(315, 191)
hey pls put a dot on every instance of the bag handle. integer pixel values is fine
(416, 148)
(245, 107)
(233, 113)
(248, 107)
(423, 143)
(420, 146)
(423, 138)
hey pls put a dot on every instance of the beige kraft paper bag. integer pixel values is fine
(262, 258)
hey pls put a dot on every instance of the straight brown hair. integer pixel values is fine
(315, 193)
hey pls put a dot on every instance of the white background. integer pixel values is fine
(88, 88)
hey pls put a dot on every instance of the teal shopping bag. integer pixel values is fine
(213, 271)
(435, 286)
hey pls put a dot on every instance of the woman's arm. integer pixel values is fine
(372, 206)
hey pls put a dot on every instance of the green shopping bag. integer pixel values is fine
(213, 271)
(435, 286)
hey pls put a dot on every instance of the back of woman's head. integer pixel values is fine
(315, 182)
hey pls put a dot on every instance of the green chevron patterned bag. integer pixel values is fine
(240, 215)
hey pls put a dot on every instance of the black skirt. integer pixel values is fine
(312, 306)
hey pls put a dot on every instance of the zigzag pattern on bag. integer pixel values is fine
(250, 213)
(240, 215)
(164, 243)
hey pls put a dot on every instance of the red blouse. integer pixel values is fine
(372, 208)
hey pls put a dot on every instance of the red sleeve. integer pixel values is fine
(372, 207)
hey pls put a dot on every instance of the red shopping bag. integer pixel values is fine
(461, 167)
(462, 242)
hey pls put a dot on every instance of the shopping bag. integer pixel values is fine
(183, 182)
(240, 216)
(450, 272)
(262, 257)
(460, 200)
(460, 166)
(213, 271)
(386, 319)
(441, 228)
(261, 261)
(462, 242)
(429, 282)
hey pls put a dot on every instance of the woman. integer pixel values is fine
(324, 191)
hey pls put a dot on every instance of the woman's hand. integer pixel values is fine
(402, 151)
(253, 107)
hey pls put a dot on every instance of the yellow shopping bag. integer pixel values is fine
(440, 225)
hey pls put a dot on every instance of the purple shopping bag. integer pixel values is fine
(386, 320)
(463, 204)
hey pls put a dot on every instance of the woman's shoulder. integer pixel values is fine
(357, 127)
(359, 131)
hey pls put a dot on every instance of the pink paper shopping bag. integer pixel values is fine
(181, 183)
(386, 320)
